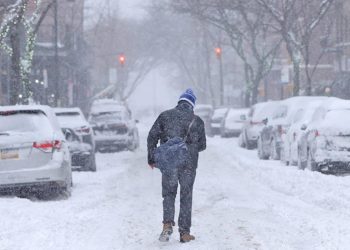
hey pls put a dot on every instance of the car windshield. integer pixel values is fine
(35, 122)
(234, 116)
(107, 117)
(264, 112)
(69, 116)
(219, 114)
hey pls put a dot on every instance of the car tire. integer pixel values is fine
(241, 140)
(135, 144)
(274, 155)
(311, 164)
(91, 164)
(301, 164)
(261, 154)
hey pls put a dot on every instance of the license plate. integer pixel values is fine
(6, 154)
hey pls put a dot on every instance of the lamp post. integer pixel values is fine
(218, 52)
(121, 75)
(56, 59)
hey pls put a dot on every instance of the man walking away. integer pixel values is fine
(178, 122)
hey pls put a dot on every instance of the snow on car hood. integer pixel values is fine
(335, 123)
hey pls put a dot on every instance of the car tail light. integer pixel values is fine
(48, 146)
(317, 133)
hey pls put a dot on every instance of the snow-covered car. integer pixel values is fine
(257, 116)
(216, 120)
(34, 154)
(325, 145)
(79, 137)
(290, 140)
(270, 142)
(205, 111)
(232, 124)
(113, 126)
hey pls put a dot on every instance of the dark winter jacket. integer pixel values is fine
(173, 123)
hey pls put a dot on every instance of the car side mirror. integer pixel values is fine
(265, 121)
(303, 127)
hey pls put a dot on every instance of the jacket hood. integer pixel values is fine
(184, 106)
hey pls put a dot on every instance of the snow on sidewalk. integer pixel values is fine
(239, 202)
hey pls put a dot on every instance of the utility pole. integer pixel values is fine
(56, 58)
(218, 52)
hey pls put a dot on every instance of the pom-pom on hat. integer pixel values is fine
(189, 97)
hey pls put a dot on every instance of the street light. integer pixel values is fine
(218, 52)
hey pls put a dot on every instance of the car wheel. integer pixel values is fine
(301, 164)
(273, 150)
(311, 164)
(91, 164)
(261, 153)
(135, 143)
(241, 140)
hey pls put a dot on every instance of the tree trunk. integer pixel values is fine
(255, 92)
(247, 99)
(296, 78)
(15, 72)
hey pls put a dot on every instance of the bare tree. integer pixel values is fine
(113, 37)
(249, 35)
(18, 29)
(296, 21)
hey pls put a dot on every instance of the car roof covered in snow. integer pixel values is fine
(71, 122)
(48, 111)
(67, 110)
(291, 105)
(264, 110)
(107, 105)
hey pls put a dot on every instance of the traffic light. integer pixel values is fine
(218, 52)
(122, 59)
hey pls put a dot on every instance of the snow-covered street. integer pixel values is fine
(239, 203)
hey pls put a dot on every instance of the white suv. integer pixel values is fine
(33, 150)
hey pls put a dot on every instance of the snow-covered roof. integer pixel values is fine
(107, 105)
(48, 111)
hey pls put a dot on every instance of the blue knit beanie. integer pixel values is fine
(189, 97)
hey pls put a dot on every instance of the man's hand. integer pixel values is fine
(152, 165)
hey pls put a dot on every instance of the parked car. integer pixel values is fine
(216, 120)
(232, 124)
(34, 154)
(300, 121)
(113, 126)
(79, 136)
(257, 116)
(325, 145)
(205, 111)
(270, 143)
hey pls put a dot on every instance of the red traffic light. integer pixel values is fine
(122, 60)
(218, 52)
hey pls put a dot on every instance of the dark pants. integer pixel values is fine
(186, 179)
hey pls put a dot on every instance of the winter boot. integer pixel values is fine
(167, 231)
(186, 237)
